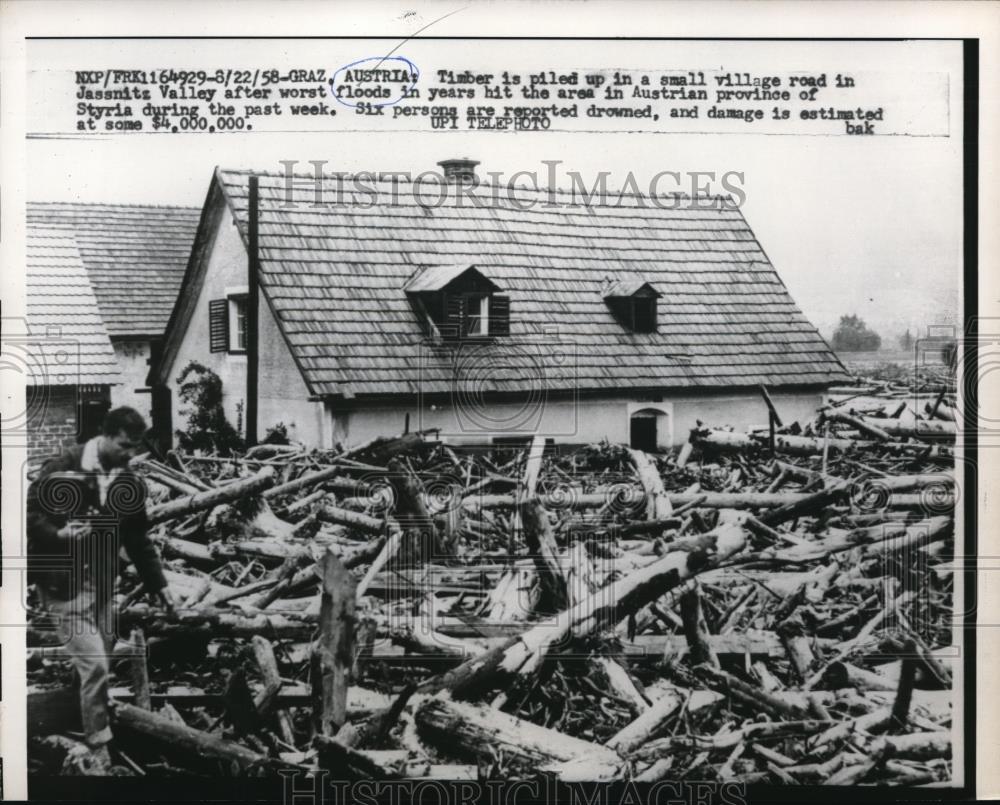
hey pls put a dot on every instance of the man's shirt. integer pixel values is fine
(90, 461)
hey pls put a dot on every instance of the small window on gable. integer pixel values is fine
(459, 302)
(227, 324)
(238, 323)
(634, 304)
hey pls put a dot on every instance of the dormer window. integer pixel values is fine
(633, 303)
(459, 302)
(477, 315)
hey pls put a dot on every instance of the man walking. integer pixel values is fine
(83, 507)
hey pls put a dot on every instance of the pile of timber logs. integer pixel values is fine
(765, 607)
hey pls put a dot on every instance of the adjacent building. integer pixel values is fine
(69, 363)
(135, 257)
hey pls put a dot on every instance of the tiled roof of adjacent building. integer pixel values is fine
(136, 257)
(67, 340)
(335, 276)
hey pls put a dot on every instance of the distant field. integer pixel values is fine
(864, 362)
(859, 361)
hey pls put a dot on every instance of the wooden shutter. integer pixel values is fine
(455, 320)
(500, 315)
(218, 325)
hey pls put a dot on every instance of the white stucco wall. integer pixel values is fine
(282, 394)
(742, 410)
(133, 360)
(584, 420)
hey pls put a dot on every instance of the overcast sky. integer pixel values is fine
(864, 225)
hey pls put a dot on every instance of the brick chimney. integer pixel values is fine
(462, 170)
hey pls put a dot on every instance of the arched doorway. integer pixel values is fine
(650, 427)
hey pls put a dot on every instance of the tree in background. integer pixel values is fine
(853, 335)
(906, 341)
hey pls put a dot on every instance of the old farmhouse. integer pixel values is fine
(135, 257)
(491, 314)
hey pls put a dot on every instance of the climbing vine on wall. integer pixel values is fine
(207, 430)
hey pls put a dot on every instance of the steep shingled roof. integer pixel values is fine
(68, 340)
(136, 257)
(335, 275)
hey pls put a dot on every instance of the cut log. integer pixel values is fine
(904, 693)
(752, 697)
(592, 500)
(227, 522)
(860, 423)
(162, 475)
(924, 429)
(361, 702)
(810, 446)
(181, 507)
(943, 411)
(303, 503)
(179, 736)
(140, 674)
(934, 666)
(219, 623)
(722, 439)
(523, 654)
(659, 526)
(194, 552)
(695, 628)
(328, 474)
(772, 410)
(800, 653)
(532, 468)
(621, 684)
(334, 650)
(542, 546)
(684, 454)
(388, 552)
(844, 674)
(473, 730)
(805, 505)
(658, 504)
(581, 574)
(513, 598)
(214, 599)
(876, 539)
(340, 759)
(285, 576)
(914, 746)
(800, 474)
(423, 535)
(421, 638)
(651, 723)
(869, 722)
(263, 653)
(355, 520)
(533, 526)
(380, 449)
